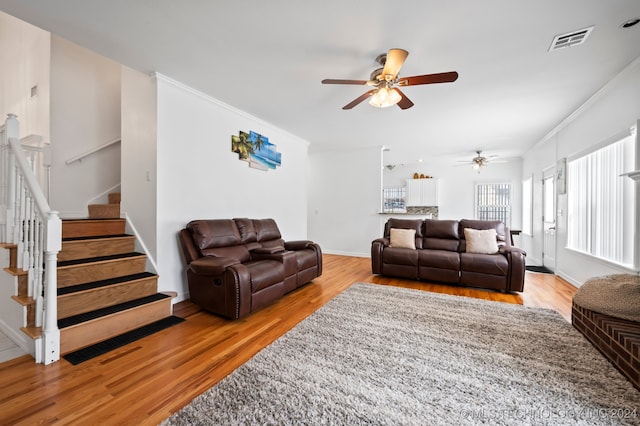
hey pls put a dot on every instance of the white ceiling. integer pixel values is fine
(268, 58)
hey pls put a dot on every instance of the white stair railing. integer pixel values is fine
(27, 221)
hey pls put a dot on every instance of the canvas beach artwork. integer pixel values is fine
(256, 150)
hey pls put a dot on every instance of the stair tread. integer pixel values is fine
(103, 283)
(88, 316)
(97, 237)
(99, 259)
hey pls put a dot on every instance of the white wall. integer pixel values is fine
(198, 177)
(344, 200)
(85, 113)
(139, 155)
(612, 110)
(25, 51)
(345, 191)
(456, 185)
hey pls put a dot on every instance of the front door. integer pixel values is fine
(549, 220)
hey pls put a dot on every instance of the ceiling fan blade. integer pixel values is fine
(359, 99)
(405, 102)
(338, 81)
(394, 61)
(443, 77)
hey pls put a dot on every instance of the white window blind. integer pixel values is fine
(601, 203)
(527, 206)
(493, 202)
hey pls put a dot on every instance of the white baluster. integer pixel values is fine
(38, 271)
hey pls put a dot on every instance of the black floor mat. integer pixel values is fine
(103, 347)
(540, 269)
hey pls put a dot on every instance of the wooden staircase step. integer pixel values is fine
(104, 211)
(114, 198)
(106, 245)
(13, 253)
(81, 271)
(88, 297)
(92, 327)
(73, 228)
(30, 304)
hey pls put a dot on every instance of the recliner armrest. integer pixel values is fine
(298, 245)
(511, 249)
(384, 241)
(515, 256)
(209, 265)
(266, 250)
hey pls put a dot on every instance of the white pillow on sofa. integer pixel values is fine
(482, 241)
(402, 238)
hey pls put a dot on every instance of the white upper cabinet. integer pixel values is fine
(422, 192)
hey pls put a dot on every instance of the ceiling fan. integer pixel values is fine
(480, 161)
(387, 82)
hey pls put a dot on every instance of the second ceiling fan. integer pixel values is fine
(387, 82)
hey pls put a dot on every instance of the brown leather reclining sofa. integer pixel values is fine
(236, 266)
(441, 255)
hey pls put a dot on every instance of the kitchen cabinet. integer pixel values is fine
(422, 192)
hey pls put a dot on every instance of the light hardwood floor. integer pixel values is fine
(146, 381)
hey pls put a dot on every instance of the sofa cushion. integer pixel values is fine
(266, 229)
(214, 233)
(491, 264)
(439, 259)
(400, 256)
(403, 224)
(501, 230)
(402, 238)
(239, 252)
(247, 231)
(447, 229)
(481, 241)
(264, 273)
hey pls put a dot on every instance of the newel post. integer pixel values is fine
(51, 333)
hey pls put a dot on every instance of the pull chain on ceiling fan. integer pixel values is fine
(386, 80)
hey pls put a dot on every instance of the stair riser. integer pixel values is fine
(13, 254)
(92, 228)
(91, 332)
(114, 198)
(104, 211)
(72, 250)
(86, 273)
(90, 300)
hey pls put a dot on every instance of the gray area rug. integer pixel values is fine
(385, 355)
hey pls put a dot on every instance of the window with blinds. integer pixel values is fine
(601, 203)
(493, 202)
(393, 199)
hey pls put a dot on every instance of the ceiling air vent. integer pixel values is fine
(573, 38)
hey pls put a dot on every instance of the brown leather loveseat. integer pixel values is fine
(236, 266)
(440, 252)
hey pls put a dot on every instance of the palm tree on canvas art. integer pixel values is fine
(242, 145)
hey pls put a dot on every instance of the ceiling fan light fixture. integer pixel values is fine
(384, 97)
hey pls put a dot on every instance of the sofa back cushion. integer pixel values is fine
(247, 231)
(218, 237)
(266, 229)
(500, 228)
(415, 224)
(440, 234)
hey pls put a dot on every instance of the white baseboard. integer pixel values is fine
(23, 341)
(346, 253)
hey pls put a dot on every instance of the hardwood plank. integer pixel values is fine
(103, 328)
(81, 249)
(96, 298)
(92, 228)
(101, 270)
(165, 371)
